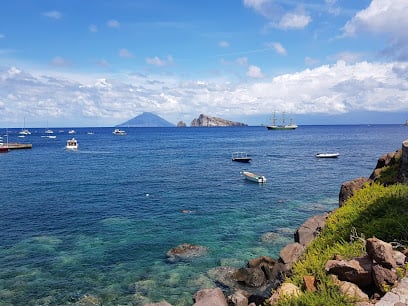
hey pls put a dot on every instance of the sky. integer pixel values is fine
(102, 62)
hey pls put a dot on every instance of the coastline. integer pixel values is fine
(293, 252)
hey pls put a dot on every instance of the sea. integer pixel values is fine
(97, 223)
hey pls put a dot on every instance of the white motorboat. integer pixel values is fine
(327, 155)
(119, 132)
(72, 144)
(254, 177)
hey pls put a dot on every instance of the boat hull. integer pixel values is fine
(275, 127)
(327, 155)
(241, 157)
(254, 177)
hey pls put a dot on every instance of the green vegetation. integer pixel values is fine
(376, 210)
(389, 174)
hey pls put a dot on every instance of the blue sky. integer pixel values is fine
(102, 62)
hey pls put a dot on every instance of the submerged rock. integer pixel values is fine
(186, 251)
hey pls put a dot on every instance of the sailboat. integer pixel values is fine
(283, 125)
(24, 131)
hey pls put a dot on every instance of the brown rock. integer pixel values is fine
(267, 264)
(383, 278)
(381, 252)
(351, 290)
(309, 283)
(185, 251)
(291, 253)
(357, 270)
(210, 297)
(286, 289)
(238, 298)
(253, 277)
(310, 229)
(348, 189)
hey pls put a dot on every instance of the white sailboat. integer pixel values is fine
(24, 131)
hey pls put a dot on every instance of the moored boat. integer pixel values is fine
(72, 144)
(119, 132)
(241, 157)
(254, 177)
(327, 155)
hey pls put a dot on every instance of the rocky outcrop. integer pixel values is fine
(375, 272)
(310, 229)
(207, 121)
(181, 124)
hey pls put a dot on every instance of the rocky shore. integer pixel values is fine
(380, 272)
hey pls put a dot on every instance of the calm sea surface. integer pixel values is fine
(100, 221)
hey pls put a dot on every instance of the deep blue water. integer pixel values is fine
(99, 221)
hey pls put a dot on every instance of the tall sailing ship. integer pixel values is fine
(283, 125)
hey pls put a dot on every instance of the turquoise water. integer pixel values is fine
(98, 222)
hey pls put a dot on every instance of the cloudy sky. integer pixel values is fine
(101, 62)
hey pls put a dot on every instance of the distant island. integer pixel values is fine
(146, 119)
(207, 121)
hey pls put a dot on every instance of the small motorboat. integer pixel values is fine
(254, 177)
(327, 155)
(241, 157)
(72, 144)
(119, 132)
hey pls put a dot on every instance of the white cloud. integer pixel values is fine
(278, 48)
(125, 53)
(254, 72)
(112, 23)
(382, 16)
(156, 61)
(102, 100)
(294, 21)
(387, 17)
(53, 15)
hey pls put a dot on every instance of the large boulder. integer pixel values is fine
(357, 270)
(210, 297)
(351, 290)
(310, 229)
(267, 264)
(186, 251)
(252, 277)
(381, 252)
(348, 189)
(291, 253)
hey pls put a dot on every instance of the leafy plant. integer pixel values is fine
(375, 210)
